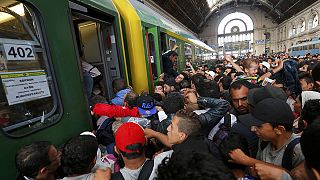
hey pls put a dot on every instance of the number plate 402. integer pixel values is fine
(19, 52)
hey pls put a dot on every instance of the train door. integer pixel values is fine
(95, 38)
(154, 51)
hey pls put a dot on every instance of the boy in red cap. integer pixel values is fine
(130, 146)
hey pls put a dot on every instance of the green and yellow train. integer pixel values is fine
(42, 94)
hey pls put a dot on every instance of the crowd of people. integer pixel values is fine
(246, 118)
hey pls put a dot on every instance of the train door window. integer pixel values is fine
(188, 52)
(97, 46)
(172, 42)
(152, 55)
(28, 100)
(163, 42)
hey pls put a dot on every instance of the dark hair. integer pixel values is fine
(239, 83)
(172, 53)
(307, 78)
(310, 148)
(31, 158)
(159, 83)
(288, 127)
(208, 89)
(172, 103)
(226, 82)
(131, 99)
(188, 123)
(119, 84)
(185, 84)
(185, 75)
(157, 97)
(138, 150)
(310, 111)
(316, 73)
(197, 78)
(194, 165)
(78, 154)
(231, 142)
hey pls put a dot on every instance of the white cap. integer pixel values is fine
(266, 64)
(211, 73)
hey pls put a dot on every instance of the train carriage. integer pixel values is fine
(42, 94)
(42, 46)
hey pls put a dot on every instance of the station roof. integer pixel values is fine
(195, 13)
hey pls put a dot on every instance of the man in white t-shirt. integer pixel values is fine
(130, 145)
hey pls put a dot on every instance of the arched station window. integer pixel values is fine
(235, 33)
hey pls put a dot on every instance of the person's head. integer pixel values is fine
(183, 125)
(309, 113)
(306, 83)
(208, 89)
(172, 103)
(304, 66)
(79, 155)
(118, 85)
(146, 105)
(130, 99)
(194, 165)
(225, 83)
(185, 84)
(310, 148)
(251, 67)
(231, 142)
(179, 78)
(159, 87)
(270, 119)
(195, 80)
(130, 141)
(297, 105)
(38, 160)
(173, 56)
(316, 76)
(239, 92)
(170, 85)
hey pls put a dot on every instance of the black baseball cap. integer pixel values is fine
(146, 105)
(258, 94)
(270, 110)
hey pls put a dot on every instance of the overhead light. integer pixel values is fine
(19, 9)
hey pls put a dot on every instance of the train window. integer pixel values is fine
(310, 47)
(188, 52)
(152, 51)
(27, 97)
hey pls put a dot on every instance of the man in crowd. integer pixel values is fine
(120, 89)
(38, 160)
(130, 147)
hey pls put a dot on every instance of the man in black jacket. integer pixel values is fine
(169, 59)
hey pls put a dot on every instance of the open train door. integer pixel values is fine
(95, 33)
(153, 39)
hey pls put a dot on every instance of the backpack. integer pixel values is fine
(104, 133)
(223, 132)
(287, 155)
(144, 173)
(219, 136)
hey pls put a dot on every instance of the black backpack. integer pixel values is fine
(287, 155)
(144, 173)
(223, 132)
(104, 133)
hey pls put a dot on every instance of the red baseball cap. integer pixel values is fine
(129, 133)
